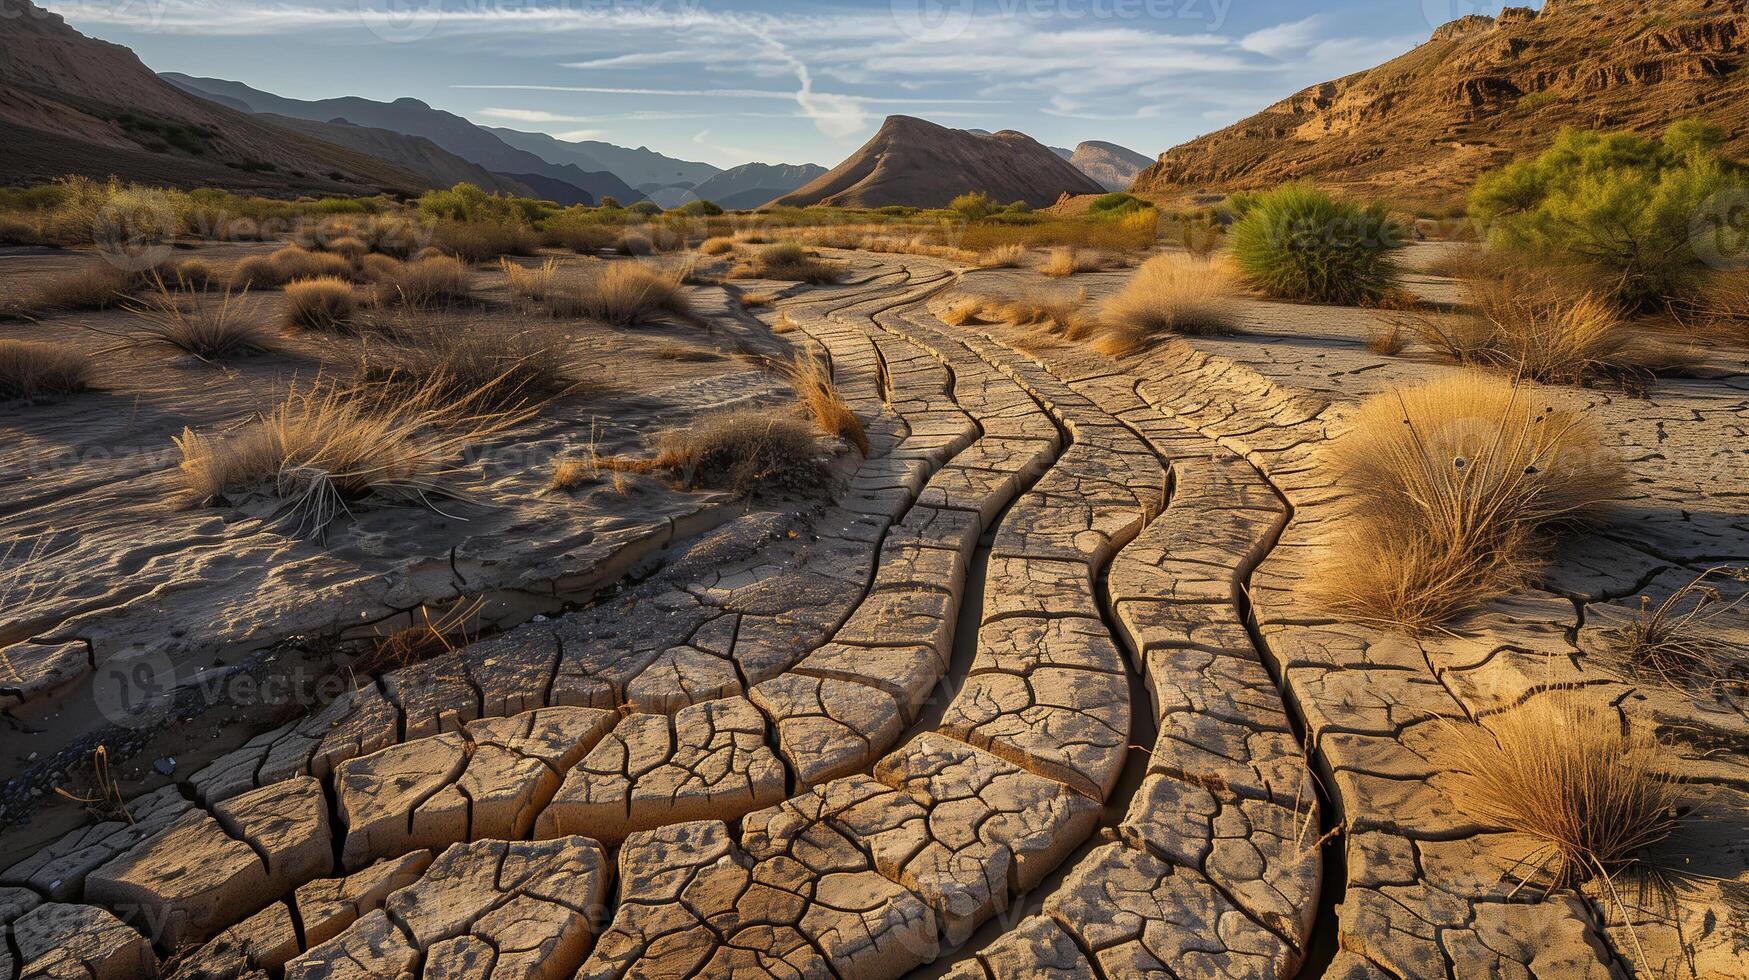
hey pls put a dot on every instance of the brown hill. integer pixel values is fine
(1482, 92)
(919, 164)
(1114, 167)
(71, 104)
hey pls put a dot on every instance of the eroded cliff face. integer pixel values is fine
(1481, 92)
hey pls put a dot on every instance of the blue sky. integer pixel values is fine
(785, 81)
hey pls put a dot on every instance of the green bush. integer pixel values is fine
(1299, 243)
(647, 208)
(1639, 209)
(1116, 203)
(973, 206)
(697, 209)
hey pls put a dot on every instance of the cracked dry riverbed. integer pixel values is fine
(1034, 695)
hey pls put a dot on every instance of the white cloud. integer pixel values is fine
(1284, 39)
(532, 116)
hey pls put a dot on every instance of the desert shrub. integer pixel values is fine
(325, 303)
(581, 237)
(33, 369)
(1003, 257)
(286, 265)
(196, 274)
(811, 378)
(717, 246)
(1538, 325)
(1065, 262)
(1170, 294)
(1455, 488)
(698, 209)
(746, 451)
(95, 286)
(1298, 243)
(634, 244)
(482, 241)
(440, 280)
(1115, 204)
(531, 282)
(621, 293)
(206, 327)
(645, 209)
(1561, 769)
(1129, 233)
(964, 312)
(1059, 313)
(349, 247)
(499, 365)
(1643, 210)
(393, 235)
(973, 206)
(325, 448)
(788, 262)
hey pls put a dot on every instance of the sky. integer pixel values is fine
(785, 81)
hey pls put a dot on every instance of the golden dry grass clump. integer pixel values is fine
(497, 365)
(438, 280)
(811, 378)
(1051, 312)
(327, 303)
(1454, 488)
(621, 293)
(534, 283)
(326, 447)
(95, 286)
(717, 246)
(1003, 257)
(1170, 294)
(1561, 769)
(482, 241)
(788, 262)
(1684, 641)
(1544, 326)
(32, 369)
(1065, 262)
(742, 451)
(288, 265)
(194, 323)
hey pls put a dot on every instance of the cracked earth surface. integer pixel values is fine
(1034, 696)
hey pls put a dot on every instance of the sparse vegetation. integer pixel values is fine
(1562, 769)
(788, 262)
(1299, 243)
(1640, 210)
(498, 365)
(533, 283)
(1679, 641)
(746, 451)
(717, 246)
(1065, 262)
(96, 286)
(1454, 488)
(325, 448)
(288, 265)
(199, 325)
(1003, 257)
(1170, 294)
(621, 293)
(424, 283)
(327, 303)
(32, 370)
(811, 378)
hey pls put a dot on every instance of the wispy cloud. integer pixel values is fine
(1284, 39)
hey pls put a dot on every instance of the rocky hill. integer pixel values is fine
(917, 163)
(1482, 92)
(71, 104)
(1114, 167)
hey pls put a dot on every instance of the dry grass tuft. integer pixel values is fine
(1561, 769)
(757, 301)
(288, 265)
(635, 244)
(424, 283)
(1387, 340)
(788, 262)
(746, 451)
(31, 369)
(1057, 313)
(431, 636)
(327, 303)
(1065, 262)
(622, 293)
(326, 448)
(1171, 294)
(482, 241)
(1678, 641)
(496, 365)
(97, 286)
(196, 274)
(717, 246)
(195, 324)
(1003, 257)
(811, 378)
(965, 312)
(1454, 489)
(531, 282)
(1546, 328)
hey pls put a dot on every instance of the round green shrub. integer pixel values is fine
(699, 209)
(1116, 204)
(1299, 243)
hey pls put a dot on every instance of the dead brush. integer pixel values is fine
(96, 286)
(789, 262)
(427, 638)
(326, 448)
(743, 451)
(198, 325)
(811, 378)
(1062, 263)
(533, 283)
(1003, 257)
(1679, 642)
(287, 265)
(1388, 340)
(717, 246)
(424, 284)
(1057, 313)
(622, 294)
(103, 799)
(32, 370)
(326, 304)
(1563, 769)
(1539, 327)
(500, 365)
(1171, 294)
(1454, 489)
(965, 312)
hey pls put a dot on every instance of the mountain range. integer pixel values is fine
(1482, 92)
